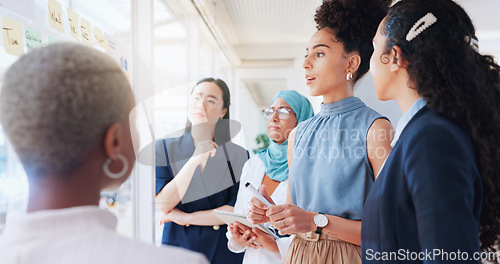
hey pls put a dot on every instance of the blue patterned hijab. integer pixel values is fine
(274, 156)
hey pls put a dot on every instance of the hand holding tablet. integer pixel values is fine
(230, 217)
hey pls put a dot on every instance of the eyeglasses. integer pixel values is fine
(208, 102)
(283, 113)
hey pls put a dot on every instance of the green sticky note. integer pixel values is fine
(33, 38)
(53, 40)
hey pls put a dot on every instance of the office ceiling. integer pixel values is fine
(279, 29)
(274, 33)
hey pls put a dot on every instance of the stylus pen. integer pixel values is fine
(257, 194)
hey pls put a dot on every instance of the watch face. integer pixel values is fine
(320, 220)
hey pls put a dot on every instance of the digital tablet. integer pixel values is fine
(230, 217)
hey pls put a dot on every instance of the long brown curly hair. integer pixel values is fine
(459, 83)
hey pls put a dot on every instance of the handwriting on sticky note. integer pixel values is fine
(11, 40)
(12, 37)
(99, 37)
(33, 38)
(55, 16)
(73, 23)
(85, 30)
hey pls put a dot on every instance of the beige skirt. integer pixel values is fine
(310, 248)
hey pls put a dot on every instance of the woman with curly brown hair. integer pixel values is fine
(438, 194)
(336, 154)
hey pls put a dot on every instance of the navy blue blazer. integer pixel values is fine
(424, 207)
(213, 188)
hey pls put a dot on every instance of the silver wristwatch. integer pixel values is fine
(320, 220)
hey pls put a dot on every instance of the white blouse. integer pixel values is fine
(253, 172)
(80, 235)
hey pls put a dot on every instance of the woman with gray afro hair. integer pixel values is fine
(65, 109)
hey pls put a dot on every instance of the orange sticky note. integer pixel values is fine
(73, 23)
(86, 32)
(12, 33)
(99, 37)
(55, 16)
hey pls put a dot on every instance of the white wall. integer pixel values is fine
(252, 122)
(249, 114)
(365, 90)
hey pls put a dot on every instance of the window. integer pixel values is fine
(113, 18)
(13, 183)
(184, 52)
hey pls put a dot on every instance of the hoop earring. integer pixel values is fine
(105, 168)
(348, 76)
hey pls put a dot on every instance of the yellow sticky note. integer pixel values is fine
(12, 37)
(85, 30)
(99, 37)
(73, 23)
(55, 16)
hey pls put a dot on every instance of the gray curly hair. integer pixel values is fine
(57, 102)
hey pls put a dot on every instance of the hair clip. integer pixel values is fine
(423, 23)
(473, 42)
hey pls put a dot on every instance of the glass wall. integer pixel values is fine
(102, 24)
(184, 52)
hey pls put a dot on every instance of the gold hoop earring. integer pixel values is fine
(348, 76)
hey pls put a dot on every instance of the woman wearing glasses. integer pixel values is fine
(197, 173)
(338, 153)
(269, 169)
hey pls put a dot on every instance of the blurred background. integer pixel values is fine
(164, 46)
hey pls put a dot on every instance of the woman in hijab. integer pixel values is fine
(269, 170)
